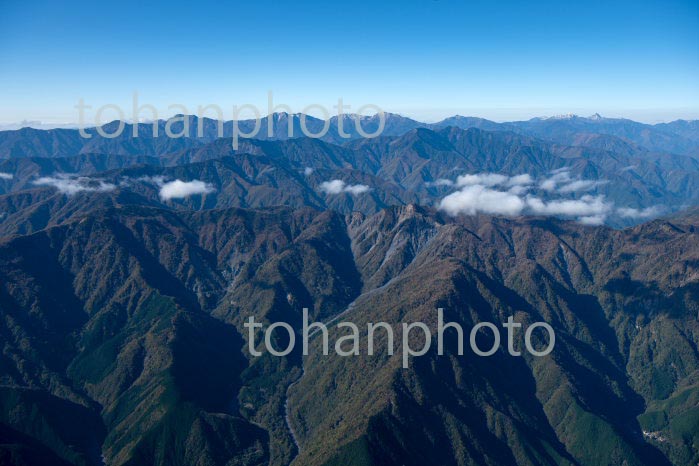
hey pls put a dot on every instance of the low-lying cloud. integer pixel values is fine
(520, 180)
(494, 179)
(474, 199)
(158, 180)
(339, 186)
(481, 179)
(594, 220)
(561, 181)
(70, 185)
(179, 189)
(497, 194)
(648, 212)
(6, 176)
(482, 199)
(585, 206)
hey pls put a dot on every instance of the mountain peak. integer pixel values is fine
(565, 116)
(279, 115)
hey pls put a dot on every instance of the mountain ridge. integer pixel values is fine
(674, 137)
(185, 274)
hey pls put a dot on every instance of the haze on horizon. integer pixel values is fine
(426, 59)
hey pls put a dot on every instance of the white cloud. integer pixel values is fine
(333, 187)
(6, 176)
(518, 190)
(339, 186)
(562, 175)
(482, 179)
(580, 185)
(179, 189)
(485, 198)
(585, 206)
(487, 179)
(307, 171)
(594, 220)
(548, 185)
(474, 199)
(561, 181)
(70, 185)
(158, 180)
(648, 212)
(560, 170)
(357, 189)
(520, 180)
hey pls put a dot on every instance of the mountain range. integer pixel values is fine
(677, 137)
(129, 266)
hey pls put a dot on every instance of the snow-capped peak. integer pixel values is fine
(565, 116)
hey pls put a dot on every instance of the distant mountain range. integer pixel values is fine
(678, 137)
(422, 166)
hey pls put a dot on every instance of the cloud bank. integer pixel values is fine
(71, 185)
(339, 186)
(474, 199)
(497, 194)
(494, 179)
(6, 176)
(561, 181)
(648, 212)
(179, 189)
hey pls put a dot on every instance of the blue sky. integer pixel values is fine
(426, 59)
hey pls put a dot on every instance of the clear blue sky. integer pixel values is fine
(427, 59)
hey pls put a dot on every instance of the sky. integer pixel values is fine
(428, 59)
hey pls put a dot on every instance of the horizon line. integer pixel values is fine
(47, 125)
